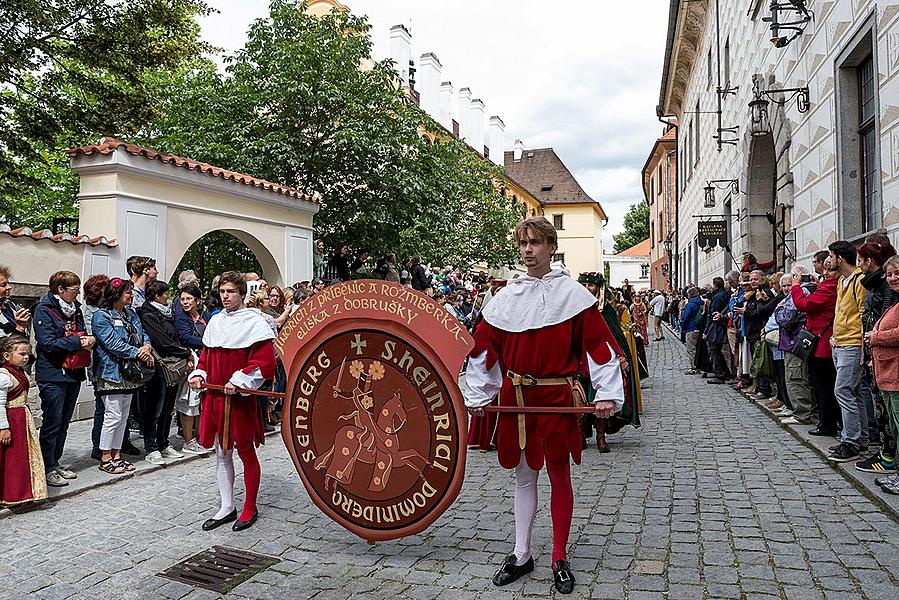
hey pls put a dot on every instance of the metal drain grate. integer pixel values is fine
(219, 569)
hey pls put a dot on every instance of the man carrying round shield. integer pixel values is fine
(538, 334)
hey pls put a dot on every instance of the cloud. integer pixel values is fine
(582, 76)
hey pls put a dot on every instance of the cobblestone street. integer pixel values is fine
(710, 499)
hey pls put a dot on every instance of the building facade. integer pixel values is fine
(578, 218)
(660, 191)
(632, 264)
(789, 139)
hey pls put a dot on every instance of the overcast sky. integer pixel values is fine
(583, 77)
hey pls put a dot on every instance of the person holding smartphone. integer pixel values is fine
(13, 318)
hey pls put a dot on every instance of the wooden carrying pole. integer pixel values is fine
(221, 388)
(546, 410)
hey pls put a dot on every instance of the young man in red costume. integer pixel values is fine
(238, 352)
(538, 334)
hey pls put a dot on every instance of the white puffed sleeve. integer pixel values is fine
(6, 384)
(248, 381)
(607, 380)
(481, 384)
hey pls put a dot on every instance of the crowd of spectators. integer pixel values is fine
(818, 347)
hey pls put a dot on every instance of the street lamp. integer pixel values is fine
(760, 121)
(720, 184)
(794, 9)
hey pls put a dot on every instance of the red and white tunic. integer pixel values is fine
(545, 327)
(238, 348)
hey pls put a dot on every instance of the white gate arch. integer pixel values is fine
(157, 205)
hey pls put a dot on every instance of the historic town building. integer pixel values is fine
(631, 264)
(660, 190)
(788, 134)
(578, 218)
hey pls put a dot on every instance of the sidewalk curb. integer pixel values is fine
(847, 470)
(7, 512)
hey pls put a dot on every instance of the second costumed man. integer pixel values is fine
(539, 333)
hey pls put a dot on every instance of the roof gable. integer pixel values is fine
(544, 175)
(641, 249)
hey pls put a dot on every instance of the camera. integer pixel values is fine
(806, 278)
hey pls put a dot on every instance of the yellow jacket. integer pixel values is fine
(847, 322)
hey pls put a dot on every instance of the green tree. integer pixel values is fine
(70, 71)
(636, 227)
(293, 106)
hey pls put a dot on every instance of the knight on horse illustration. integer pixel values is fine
(370, 439)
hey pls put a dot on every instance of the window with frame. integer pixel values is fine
(871, 205)
(558, 221)
(698, 135)
(644, 271)
(859, 193)
(559, 257)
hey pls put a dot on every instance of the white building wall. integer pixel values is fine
(630, 268)
(806, 145)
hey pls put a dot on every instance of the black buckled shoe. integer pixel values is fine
(510, 572)
(562, 577)
(240, 525)
(211, 524)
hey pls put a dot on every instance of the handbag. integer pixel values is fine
(806, 344)
(174, 369)
(134, 370)
(79, 359)
(762, 366)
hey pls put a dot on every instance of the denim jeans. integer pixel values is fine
(157, 411)
(848, 363)
(58, 404)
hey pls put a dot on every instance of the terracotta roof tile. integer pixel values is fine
(109, 145)
(46, 234)
(641, 249)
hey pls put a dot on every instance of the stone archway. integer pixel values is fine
(221, 250)
(761, 199)
(158, 205)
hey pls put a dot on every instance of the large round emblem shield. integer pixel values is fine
(374, 418)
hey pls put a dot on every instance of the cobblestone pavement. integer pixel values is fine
(710, 499)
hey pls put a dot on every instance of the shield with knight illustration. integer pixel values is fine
(374, 419)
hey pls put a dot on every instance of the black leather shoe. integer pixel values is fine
(562, 577)
(510, 572)
(822, 432)
(211, 524)
(241, 525)
(130, 449)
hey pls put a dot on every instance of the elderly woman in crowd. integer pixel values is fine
(120, 337)
(160, 396)
(63, 353)
(819, 308)
(790, 322)
(883, 340)
(190, 325)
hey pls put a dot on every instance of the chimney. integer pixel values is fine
(401, 52)
(429, 69)
(464, 113)
(446, 105)
(517, 150)
(477, 125)
(497, 140)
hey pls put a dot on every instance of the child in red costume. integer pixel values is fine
(538, 334)
(238, 352)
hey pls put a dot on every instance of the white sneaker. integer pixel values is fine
(170, 452)
(783, 412)
(790, 421)
(155, 458)
(66, 474)
(194, 447)
(54, 479)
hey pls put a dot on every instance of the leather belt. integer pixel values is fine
(529, 381)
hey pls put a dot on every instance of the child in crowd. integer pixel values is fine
(22, 477)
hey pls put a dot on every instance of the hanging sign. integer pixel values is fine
(374, 419)
(712, 233)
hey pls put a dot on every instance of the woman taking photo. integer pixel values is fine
(190, 326)
(120, 337)
(156, 318)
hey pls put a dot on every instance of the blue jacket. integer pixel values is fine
(691, 317)
(184, 325)
(113, 342)
(52, 343)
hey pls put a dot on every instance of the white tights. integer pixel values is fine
(525, 509)
(224, 473)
